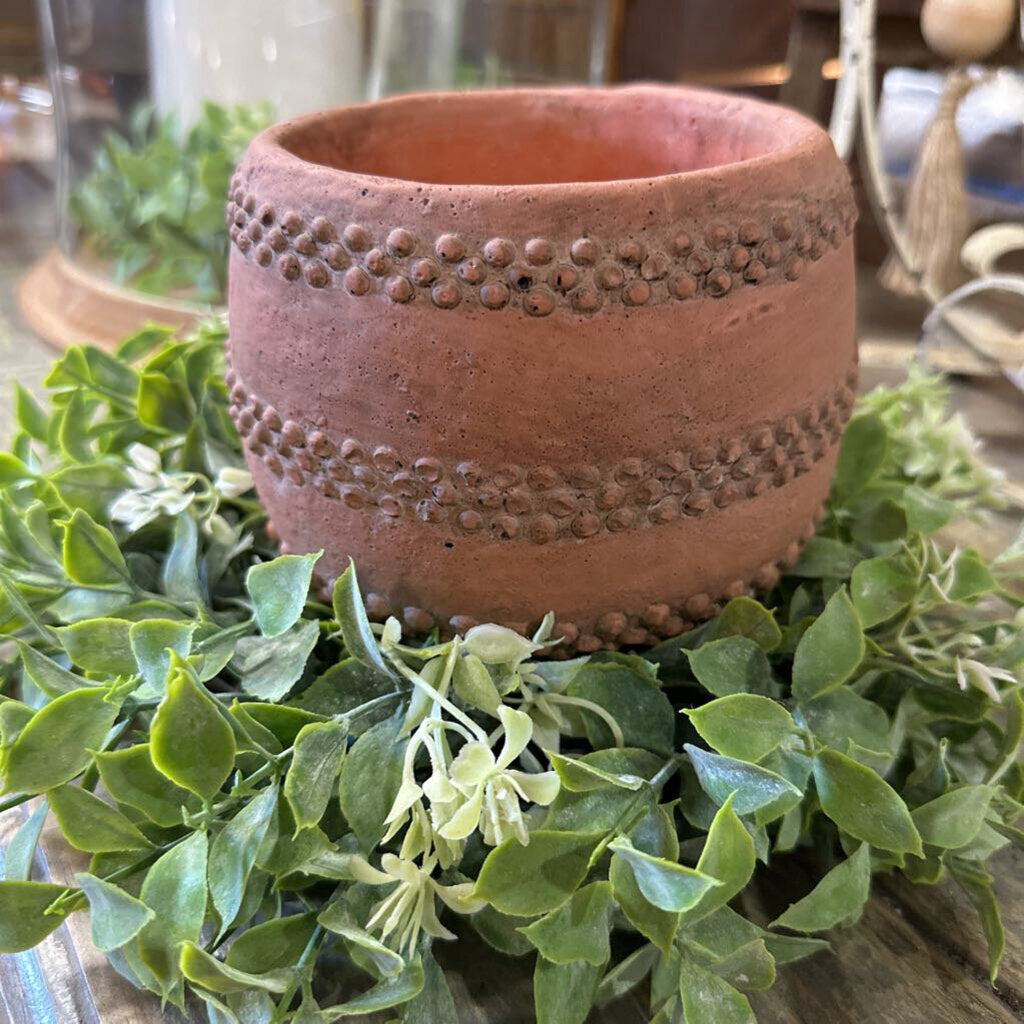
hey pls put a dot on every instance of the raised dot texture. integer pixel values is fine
(711, 259)
(450, 248)
(357, 238)
(357, 281)
(541, 504)
(539, 251)
(494, 296)
(401, 242)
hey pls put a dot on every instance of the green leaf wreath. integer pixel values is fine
(153, 202)
(268, 784)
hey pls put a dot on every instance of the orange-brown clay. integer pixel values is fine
(589, 350)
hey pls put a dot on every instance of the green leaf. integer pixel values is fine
(271, 666)
(926, 512)
(971, 578)
(28, 535)
(742, 725)
(207, 971)
(564, 993)
(93, 487)
(179, 578)
(175, 890)
(284, 722)
(91, 824)
(665, 884)
(535, 879)
(53, 679)
(434, 1004)
(143, 341)
(502, 931)
(337, 918)
(863, 804)
(277, 943)
(743, 616)
(729, 857)
(955, 818)
(279, 589)
(578, 776)
(708, 999)
(643, 713)
(754, 787)
(345, 686)
(190, 742)
(578, 930)
(840, 716)
(91, 555)
(12, 470)
(861, 455)
(355, 626)
(130, 778)
(1013, 737)
(163, 405)
(14, 716)
(627, 974)
(54, 746)
(839, 898)
(735, 664)
(24, 922)
(881, 588)
(474, 685)
(977, 884)
(233, 854)
(21, 850)
(151, 642)
(99, 645)
(830, 651)
(787, 949)
(385, 994)
(877, 521)
(116, 917)
(370, 779)
(30, 414)
(73, 426)
(750, 968)
(826, 558)
(309, 784)
(657, 925)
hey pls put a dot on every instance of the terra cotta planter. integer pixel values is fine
(589, 350)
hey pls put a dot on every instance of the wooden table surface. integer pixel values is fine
(916, 957)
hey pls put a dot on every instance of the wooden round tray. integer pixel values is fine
(66, 305)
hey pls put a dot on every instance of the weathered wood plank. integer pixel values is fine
(883, 970)
(943, 915)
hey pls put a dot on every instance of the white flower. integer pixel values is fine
(155, 493)
(409, 908)
(982, 677)
(492, 790)
(233, 482)
(499, 645)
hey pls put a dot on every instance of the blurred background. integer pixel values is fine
(120, 121)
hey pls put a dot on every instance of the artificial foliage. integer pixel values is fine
(286, 809)
(153, 202)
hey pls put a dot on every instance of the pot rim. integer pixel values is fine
(802, 138)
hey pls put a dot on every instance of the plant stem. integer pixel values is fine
(312, 948)
(14, 801)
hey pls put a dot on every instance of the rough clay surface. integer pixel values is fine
(583, 349)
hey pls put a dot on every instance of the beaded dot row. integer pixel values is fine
(612, 630)
(537, 277)
(542, 503)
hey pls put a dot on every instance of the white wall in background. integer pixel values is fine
(300, 55)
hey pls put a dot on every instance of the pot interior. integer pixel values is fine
(525, 137)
